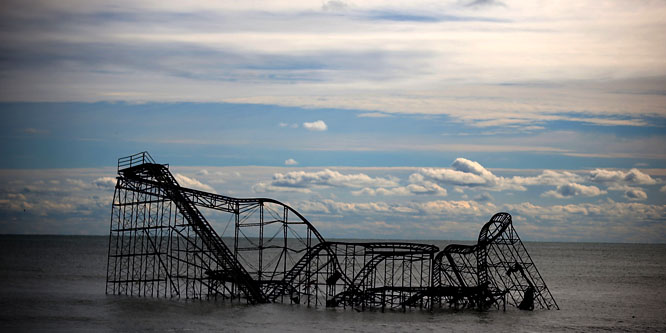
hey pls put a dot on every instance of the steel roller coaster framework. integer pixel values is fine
(162, 245)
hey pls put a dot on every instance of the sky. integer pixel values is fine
(374, 119)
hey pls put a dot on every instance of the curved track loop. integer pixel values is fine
(496, 268)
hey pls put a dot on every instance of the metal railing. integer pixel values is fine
(134, 160)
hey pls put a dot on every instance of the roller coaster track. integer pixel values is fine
(162, 245)
(287, 283)
(203, 229)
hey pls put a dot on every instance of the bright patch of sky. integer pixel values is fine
(375, 119)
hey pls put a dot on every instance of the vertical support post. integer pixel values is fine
(234, 287)
(261, 242)
(108, 258)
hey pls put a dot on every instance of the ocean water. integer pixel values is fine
(56, 283)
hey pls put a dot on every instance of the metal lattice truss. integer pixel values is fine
(162, 245)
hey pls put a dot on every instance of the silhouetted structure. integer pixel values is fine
(162, 245)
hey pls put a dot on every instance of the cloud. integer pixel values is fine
(468, 173)
(290, 161)
(609, 211)
(336, 207)
(633, 176)
(215, 51)
(334, 6)
(418, 186)
(630, 192)
(445, 208)
(481, 3)
(46, 201)
(193, 183)
(366, 191)
(573, 190)
(294, 125)
(411, 189)
(68, 200)
(635, 194)
(484, 197)
(318, 125)
(324, 178)
(105, 182)
(427, 188)
(437, 208)
(263, 187)
(549, 177)
(605, 220)
(374, 115)
(464, 173)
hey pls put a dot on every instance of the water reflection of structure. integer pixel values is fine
(162, 245)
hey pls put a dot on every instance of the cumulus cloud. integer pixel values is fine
(47, 201)
(428, 188)
(633, 176)
(77, 195)
(455, 207)
(331, 206)
(189, 182)
(573, 190)
(268, 187)
(464, 172)
(318, 125)
(418, 186)
(302, 181)
(635, 194)
(76, 182)
(560, 212)
(437, 208)
(366, 191)
(484, 197)
(549, 177)
(290, 161)
(609, 211)
(329, 177)
(105, 182)
(468, 173)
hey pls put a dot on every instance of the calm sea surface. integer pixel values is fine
(56, 283)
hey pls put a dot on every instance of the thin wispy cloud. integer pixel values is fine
(227, 51)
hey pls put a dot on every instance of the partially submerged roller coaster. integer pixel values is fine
(162, 245)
